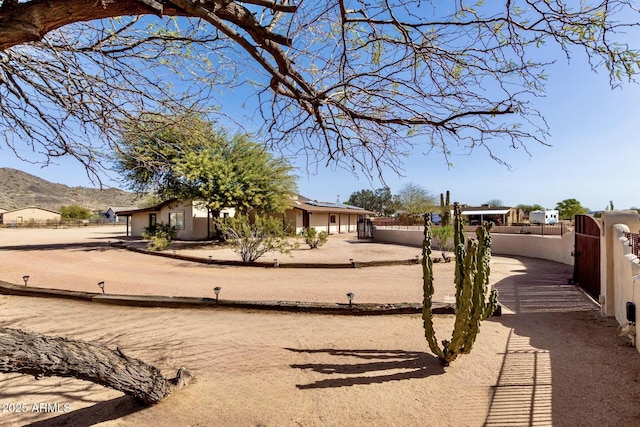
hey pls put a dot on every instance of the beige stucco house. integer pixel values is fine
(31, 214)
(323, 216)
(192, 222)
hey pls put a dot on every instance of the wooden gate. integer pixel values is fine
(586, 267)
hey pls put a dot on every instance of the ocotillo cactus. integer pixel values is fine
(472, 283)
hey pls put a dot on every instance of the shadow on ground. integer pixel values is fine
(96, 414)
(563, 359)
(381, 366)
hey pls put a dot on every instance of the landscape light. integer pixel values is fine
(217, 291)
(417, 259)
(350, 295)
(210, 258)
(101, 285)
(275, 262)
(26, 279)
(353, 263)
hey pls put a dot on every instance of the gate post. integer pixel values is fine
(607, 282)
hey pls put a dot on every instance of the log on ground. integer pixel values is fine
(43, 356)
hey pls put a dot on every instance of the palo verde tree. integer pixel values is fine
(354, 83)
(189, 159)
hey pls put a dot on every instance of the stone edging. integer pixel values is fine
(368, 309)
(354, 264)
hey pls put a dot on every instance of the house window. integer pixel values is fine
(176, 219)
(332, 219)
(152, 220)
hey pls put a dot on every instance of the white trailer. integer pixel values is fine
(547, 217)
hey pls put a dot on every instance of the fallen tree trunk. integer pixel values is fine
(44, 356)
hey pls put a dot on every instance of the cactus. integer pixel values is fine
(445, 210)
(472, 284)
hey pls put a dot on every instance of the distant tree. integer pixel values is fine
(380, 201)
(568, 208)
(530, 208)
(187, 158)
(494, 203)
(416, 200)
(74, 213)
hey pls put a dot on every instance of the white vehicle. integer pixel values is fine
(547, 217)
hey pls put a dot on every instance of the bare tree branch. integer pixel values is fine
(345, 82)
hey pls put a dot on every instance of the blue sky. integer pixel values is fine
(593, 155)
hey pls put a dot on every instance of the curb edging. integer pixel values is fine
(363, 309)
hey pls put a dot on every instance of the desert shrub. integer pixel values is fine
(443, 237)
(313, 238)
(252, 239)
(159, 236)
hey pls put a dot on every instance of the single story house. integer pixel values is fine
(497, 215)
(31, 214)
(323, 216)
(192, 222)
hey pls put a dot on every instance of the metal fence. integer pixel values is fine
(634, 242)
(538, 230)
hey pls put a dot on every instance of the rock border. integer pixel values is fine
(262, 264)
(363, 309)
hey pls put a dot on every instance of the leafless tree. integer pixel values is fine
(355, 83)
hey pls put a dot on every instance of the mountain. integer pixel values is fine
(19, 190)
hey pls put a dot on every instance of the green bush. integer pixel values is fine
(159, 236)
(313, 238)
(252, 239)
(74, 213)
(443, 237)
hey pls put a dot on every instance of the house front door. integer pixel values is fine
(305, 219)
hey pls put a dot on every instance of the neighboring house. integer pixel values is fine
(191, 221)
(497, 215)
(323, 216)
(29, 214)
(110, 214)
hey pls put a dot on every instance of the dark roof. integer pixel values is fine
(309, 205)
(155, 208)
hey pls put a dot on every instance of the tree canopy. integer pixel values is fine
(416, 200)
(358, 84)
(380, 201)
(74, 212)
(188, 158)
(568, 208)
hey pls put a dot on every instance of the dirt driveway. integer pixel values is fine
(549, 360)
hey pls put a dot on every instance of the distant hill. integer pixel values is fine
(19, 189)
